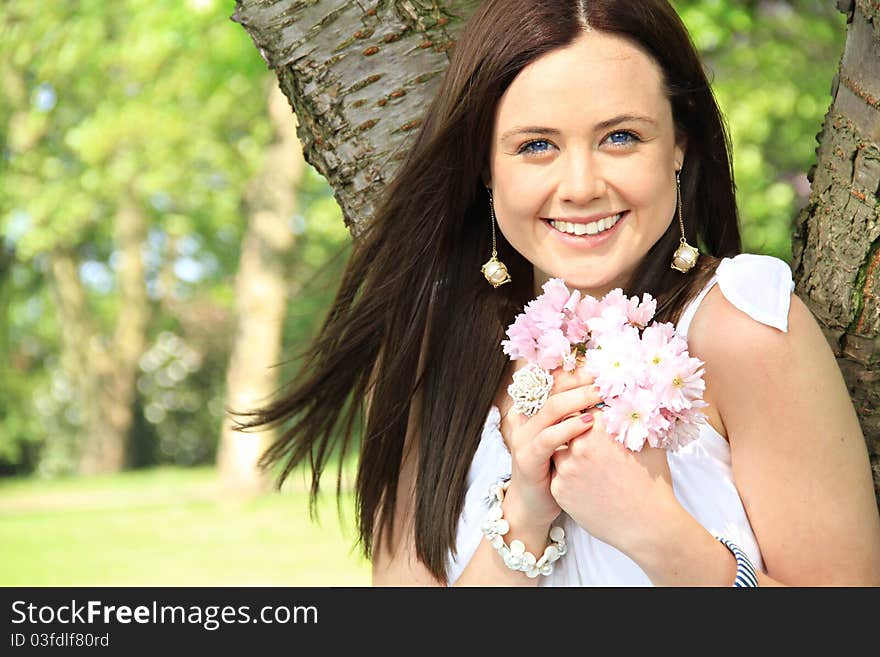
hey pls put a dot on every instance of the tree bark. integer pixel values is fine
(837, 243)
(261, 290)
(359, 75)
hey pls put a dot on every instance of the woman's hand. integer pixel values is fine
(533, 441)
(615, 494)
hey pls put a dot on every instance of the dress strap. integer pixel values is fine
(687, 316)
(758, 285)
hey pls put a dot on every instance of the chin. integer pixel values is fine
(582, 282)
(596, 282)
(594, 287)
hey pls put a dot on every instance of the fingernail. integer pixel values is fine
(586, 418)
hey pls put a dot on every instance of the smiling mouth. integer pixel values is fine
(582, 230)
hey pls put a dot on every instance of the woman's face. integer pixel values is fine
(582, 134)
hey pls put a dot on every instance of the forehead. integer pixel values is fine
(596, 76)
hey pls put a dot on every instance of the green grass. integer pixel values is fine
(173, 527)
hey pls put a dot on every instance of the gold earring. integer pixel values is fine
(685, 256)
(494, 270)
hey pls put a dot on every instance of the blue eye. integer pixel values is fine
(627, 138)
(527, 147)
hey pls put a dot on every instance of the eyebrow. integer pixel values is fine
(534, 129)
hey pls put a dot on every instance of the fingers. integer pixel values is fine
(564, 404)
(559, 435)
(563, 380)
(557, 408)
(572, 393)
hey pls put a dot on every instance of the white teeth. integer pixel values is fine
(593, 228)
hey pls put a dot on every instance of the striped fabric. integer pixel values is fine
(745, 571)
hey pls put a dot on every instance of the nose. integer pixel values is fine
(580, 178)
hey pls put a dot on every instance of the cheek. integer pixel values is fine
(518, 196)
(652, 197)
(519, 178)
(642, 187)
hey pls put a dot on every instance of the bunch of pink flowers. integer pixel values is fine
(651, 387)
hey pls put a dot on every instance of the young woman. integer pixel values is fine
(586, 132)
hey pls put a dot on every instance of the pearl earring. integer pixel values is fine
(494, 270)
(685, 256)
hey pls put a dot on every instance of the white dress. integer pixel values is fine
(702, 478)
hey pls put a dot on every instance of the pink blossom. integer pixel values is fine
(611, 320)
(633, 417)
(556, 294)
(572, 303)
(618, 363)
(574, 327)
(658, 336)
(639, 314)
(523, 336)
(680, 382)
(552, 348)
(652, 387)
(587, 308)
(546, 318)
(576, 330)
(555, 309)
(614, 299)
(659, 350)
(547, 311)
(677, 344)
(684, 426)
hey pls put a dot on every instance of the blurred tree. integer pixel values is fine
(120, 189)
(152, 105)
(771, 63)
(261, 292)
(360, 74)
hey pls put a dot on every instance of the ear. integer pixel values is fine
(486, 177)
(679, 151)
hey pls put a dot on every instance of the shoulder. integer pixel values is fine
(752, 299)
(765, 381)
(798, 455)
(729, 337)
(754, 334)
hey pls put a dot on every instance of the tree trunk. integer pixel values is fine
(837, 244)
(79, 344)
(359, 75)
(261, 290)
(105, 375)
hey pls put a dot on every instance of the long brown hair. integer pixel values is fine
(417, 267)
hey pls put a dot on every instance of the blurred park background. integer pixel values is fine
(162, 241)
